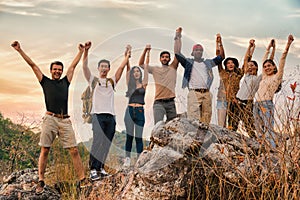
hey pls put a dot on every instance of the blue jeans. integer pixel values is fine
(104, 127)
(162, 108)
(263, 112)
(134, 123)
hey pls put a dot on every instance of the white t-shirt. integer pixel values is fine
(248, 87)
(103, 97)
(199, 76)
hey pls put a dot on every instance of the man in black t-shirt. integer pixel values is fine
(56, 121)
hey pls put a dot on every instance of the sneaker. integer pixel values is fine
(126, 162)
(93, 175)
(40, 187)
(103, 173)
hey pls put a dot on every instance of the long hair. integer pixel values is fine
(275, 71)
(255, 64)
(132, 82)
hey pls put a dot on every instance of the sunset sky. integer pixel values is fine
(51, 30)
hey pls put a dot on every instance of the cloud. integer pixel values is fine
(17, 4)
(130, 4)
(295, 14)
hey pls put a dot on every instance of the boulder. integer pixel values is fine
(187, 159)
(21, 185)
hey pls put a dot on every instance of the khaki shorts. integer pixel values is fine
(53, 127)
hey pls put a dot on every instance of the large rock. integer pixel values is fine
(21, 185)
(190, 160)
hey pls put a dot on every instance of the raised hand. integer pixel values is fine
(178, 32)
(16, 45)
(148, 47)
(81, 47)
(218, 38)
(290, 39)
(252, 43)
(128, 50)
(87, 45)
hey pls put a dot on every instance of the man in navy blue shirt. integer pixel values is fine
(56, 121)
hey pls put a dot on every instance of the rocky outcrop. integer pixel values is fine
(190, 160)
(21, 185)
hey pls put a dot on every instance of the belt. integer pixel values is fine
(202, 90)
(165, 100)
(57, 115)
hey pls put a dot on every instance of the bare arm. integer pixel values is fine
(128, 48)
(145, 80)
(271, 44)
(142, 58)
(86, 70)
(219, 50)
(284, 54)
(16, 45)
(118, 73)
(273, 49)
(70, 71)
(177, 47)
(177, 40)
(249, 53)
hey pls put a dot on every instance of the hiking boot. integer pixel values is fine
(40, 187)
(126, 162)
(103, 173)
(93, 175)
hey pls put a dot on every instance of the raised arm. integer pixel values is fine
(177, 40)
(70, 71)
(177, 47)
(249, 53)
(142, 58)
(271, 45)
(38, 73)
(128, 48)
(86, 70)
(145, 79)
(284, 54)
(119, 71)
(219, 50)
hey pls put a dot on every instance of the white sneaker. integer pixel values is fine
(103, 172)
(127, 161)
(93, 175)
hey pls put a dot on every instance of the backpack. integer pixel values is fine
(87, 99)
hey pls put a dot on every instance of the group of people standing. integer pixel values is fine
(249, 101)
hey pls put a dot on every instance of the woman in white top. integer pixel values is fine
(264, 108)
(247, 90)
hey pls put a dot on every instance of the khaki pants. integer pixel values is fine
(199, 106)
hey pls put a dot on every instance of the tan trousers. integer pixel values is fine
(199, 106)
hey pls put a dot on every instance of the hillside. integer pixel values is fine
(19, 147)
